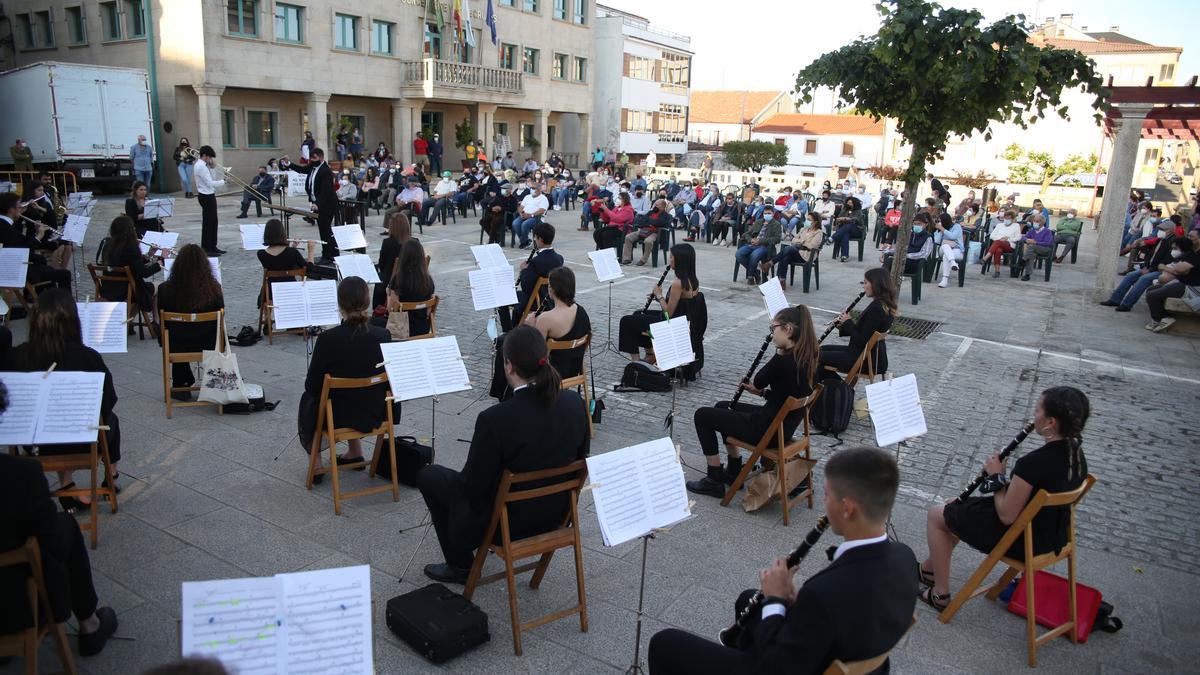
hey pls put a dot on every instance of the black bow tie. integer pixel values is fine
(829, 552)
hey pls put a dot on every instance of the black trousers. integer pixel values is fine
(41, 273)
(247, 198)
(208, 221)
(738, 422)
(441, 487)
(677, 651)
(838, 356)
(325, 227)
(630, 338)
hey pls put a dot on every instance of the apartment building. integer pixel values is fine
(818, 143)
(719, 116)
(643, 80)
(249, 77)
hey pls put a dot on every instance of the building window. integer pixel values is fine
(260, 129)
(579, 15)
(559, 71)
(45, 27)
(527, 135)
(111, 19)
(780, 141)
(433, 41)
(530, 5)
(639, 67)
(560, 9)
(227, 129)
(500, 129)
(28, 35)
(242, 17)
(675, 72)
(637, 121)
(345, 32)
(508, 56)
(847, 149)
(462, 52)
(76, 28)
(580, 74)
(1151, 156)
(136, 26)
(529, 61)
(289, 23)
(381, 37)
(810, 147)
(508, 3)
(671, 123)
(551, 136)
(1167, 72)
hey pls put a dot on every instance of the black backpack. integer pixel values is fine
(641, 376)
(411, 456)
(831, 411)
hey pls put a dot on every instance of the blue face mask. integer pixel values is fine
(768, 216)
(918, 228)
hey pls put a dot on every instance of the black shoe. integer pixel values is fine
(732, 468)
(446, 573)
(1109, 303)
(213, 252)
(91, 644)
(243, 215)
(1025, 277)
(707, 486)
(358, 463)
(1123, 308)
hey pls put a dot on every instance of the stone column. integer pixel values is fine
(415, 126)
(540, 122)
(1127, 132)
(585, 140)
(402, 132)
(317, 110)
(208, 116)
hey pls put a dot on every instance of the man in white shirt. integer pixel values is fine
(207, 184)
(825, 206)
(640, 202)
(411, 197)
(443, 191)
(530, 213)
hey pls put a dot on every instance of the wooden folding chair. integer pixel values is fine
(1023, 527)
(28, 561)
(865, 360)
(544, 545)
(864, 666)
(430, 306)
(327, 430)
(170, 358)
(266, 317)
(535, 298)
(133, 309)
(579, 380)
(776, 448)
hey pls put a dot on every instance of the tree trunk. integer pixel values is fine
(916, 170)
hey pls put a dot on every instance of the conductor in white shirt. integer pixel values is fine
(207, 182)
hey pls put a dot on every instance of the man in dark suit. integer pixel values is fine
(13, 235)
(856, 608)
(322, 196)
(540, 427)
(543, 261)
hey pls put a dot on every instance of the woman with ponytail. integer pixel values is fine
(349, 350)
(1057, 466)
(540, 427)
(790, 372)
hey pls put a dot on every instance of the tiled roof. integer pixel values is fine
(1113, 36)
(1107, 47)
(728, 107)
(822, 125)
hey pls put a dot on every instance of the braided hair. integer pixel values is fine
(1070, 408)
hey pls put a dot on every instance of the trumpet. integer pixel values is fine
(195, 154)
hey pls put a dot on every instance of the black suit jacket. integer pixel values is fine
(540, 266)
(874, 319)
(11, 236)
(520, 435)
(856, 608)
(320, 187)
(343, 351)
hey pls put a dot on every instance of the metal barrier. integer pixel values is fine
(63, 181)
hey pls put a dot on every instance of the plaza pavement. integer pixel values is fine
(208, 496)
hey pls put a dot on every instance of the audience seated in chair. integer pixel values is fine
(948, 237)
(803, 248)
(920, 245)
(1067, 233)
(1005, 236)
(758, 244)
(649, 227)
(1176, 278)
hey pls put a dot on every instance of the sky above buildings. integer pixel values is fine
(761, 44)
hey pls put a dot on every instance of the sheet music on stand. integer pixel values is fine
(213, 262)
(303, 622)
(349, 237)
(606, 265)
(299, 304)
(672, 340)
(773, 295)
(163, 240)
(84, 208)
(3, 309)
(103, 325)
(62, 407)
(489, 255)
(252, 236)
(420, 368)
(75, 229)
(357, 265)
(296, 184)
(14, 267)
(637, 489)
(492, 287)
(78, 199)
(895, 409)
(159, 208)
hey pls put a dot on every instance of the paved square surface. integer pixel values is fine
(209, 497)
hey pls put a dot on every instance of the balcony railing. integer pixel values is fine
(468, 76)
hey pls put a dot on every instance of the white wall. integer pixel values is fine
(867, 151)
(716, 134)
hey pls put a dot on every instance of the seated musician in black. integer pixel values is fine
(856, 608)
(135, 208)
(412, 283)
(632, 333)
(544, 259)
(980, 522)
(564, 321)
(790, 372)
(540, 427)
(191, 289)
(13, 235)
(877, 317)
(121, 250)
(280, 256)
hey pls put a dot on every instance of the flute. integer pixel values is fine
(736, 635)
(983, 475)
(833, 324)
(737, 395)
(650, 298)
(305, 241)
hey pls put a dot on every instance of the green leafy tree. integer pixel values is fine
(1031, 166)
(752, 156)
(939, 71)
(464, 133)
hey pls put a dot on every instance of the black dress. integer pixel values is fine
(568, 362)
(344, 351)
(632, 333)
(130, 256)
(187, 337)
(873, 319)
(140, 222)
(976, 522)
(288, 259)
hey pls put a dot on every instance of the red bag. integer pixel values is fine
(1051, 600)
(892, 218)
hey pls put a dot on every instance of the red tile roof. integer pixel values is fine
(1108, 47)
(728, 107)
(822, 125)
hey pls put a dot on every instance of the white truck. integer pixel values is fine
(79, 118)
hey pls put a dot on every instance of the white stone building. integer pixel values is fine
(720, 116)
(642, 82)
(818, 143)
(248, 77)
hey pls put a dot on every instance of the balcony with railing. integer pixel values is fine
(436, 78)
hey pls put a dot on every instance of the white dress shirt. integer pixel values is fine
(206, 179)
(530, 205)
(444, 188)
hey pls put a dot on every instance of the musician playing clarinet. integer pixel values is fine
(539, 265)
(856, 608)
(877, 317)
(790, 372)
(980, 522)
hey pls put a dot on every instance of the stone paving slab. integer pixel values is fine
(210, 496)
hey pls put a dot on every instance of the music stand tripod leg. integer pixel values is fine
(636, 668)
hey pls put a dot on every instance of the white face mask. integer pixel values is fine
(344, 181)
(1176, 253)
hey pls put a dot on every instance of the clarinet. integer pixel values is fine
(736, 636)
(833, 324)
(745, 380)
(650, 298)
(1012, 445)
(532, 252)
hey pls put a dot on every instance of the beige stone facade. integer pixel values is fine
(248, 77)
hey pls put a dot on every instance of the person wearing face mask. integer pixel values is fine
(726, 216)
(1143, 248)
(920, 244)
(22, 156)
(1067, 232)
(1177, 276)
(1138, 222)
(949, 239)
(496, 212)
(761, 246)
(1136, 282)
(142, 157)
(262, 183)
(1005, 235)
(682, 203)
(183, 164)
(1038, 241)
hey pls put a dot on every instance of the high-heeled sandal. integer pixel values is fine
(71, 504)
(935, 601)
(924, 576)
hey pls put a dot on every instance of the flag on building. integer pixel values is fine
(458, 21)
(491, 20)
(438, 18)
(468, 29)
